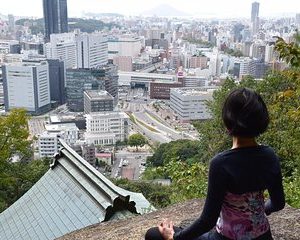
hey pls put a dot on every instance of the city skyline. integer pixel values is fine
(203, 9)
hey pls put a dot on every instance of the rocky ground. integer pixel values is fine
(285, 224)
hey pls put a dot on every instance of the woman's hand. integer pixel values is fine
(166, 229)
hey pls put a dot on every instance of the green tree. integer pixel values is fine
(137, 140)
(16, 177)
(290, 52)
(188, 180)
(14, 136)
(184, 150)
(158, 195)
(213, 135)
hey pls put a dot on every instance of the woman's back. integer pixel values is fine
(248, 172)
(247, 169)
(237, 179)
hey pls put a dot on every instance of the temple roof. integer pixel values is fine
(71, 195)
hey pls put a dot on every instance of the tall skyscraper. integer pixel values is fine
(11, 23)
(254, 11)
(255, 17)
(55, 17)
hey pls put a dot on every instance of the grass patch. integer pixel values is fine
(155, 118)
(135, 121)
(132, 118)
(147, 126)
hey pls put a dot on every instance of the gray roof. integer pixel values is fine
(71, 195)
(98, 95)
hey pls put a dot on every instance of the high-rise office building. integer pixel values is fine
(57, 75)
(78, 50)
(55, 17)
(258, 68)
(91, 50)
(26, 85)
(254, 11)
(80, 80)
(63, 47)
(255, 17)
(124, 45)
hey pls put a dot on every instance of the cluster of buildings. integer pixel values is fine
(172, 59)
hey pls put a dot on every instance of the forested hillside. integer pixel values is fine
(85, 25)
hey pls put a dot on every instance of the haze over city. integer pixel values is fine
(203, 9)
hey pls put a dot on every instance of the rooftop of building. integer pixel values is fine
(26, 64)
(195, 91)
(147, 75)
(60, 127)
(10, 42)
(71, 195)
(107, 114)
(98, 95)
(124, 38)
(66, 117)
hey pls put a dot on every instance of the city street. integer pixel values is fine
(137, 103)
(129, 165)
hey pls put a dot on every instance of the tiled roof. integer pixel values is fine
(70, 196)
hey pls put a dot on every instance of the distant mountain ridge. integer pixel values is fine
(165, 10)
(90, 14)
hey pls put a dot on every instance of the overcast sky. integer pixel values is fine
(221, 8)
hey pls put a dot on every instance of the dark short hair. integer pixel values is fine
(245, 114)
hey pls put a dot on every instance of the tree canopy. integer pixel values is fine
(184, 150)
(17, 171)
(137, 140)
(85, 25)
(290, 52)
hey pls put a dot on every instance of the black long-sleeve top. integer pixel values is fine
(238, 171)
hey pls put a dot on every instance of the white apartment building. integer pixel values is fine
(215, 64)
(244, 67)
(270, 54)
(6, 46)
(49, 141)
(63, 47)
(91, 50)
(10, 58)
(124, 46)
(106, 128)
(78, 50)
(26, 85)
(48, 144)
(190, 103)
(127, 78)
